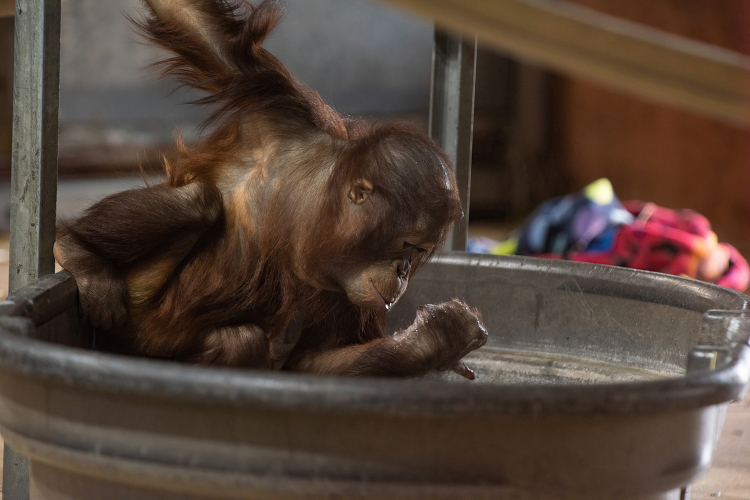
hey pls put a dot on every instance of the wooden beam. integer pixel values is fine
(624, 55)
(7, 8)
(36, 91)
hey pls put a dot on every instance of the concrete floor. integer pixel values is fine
(728, 478)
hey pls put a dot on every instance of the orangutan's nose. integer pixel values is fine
(403, 267)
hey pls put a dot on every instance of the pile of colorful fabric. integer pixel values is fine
(594, 226)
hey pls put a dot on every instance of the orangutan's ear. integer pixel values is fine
(360, 190)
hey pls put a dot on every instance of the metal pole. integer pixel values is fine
(36, 92)
(452, 115)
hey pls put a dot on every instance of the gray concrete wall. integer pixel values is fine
(362, 56)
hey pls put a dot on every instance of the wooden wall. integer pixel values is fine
(656, 153)
(6, 91)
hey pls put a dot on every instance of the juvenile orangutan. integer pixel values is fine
(284, 209)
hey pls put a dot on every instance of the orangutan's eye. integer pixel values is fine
(416, 246)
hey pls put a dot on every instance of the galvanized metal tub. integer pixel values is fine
(597, 383)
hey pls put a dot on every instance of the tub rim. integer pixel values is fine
(59, 364)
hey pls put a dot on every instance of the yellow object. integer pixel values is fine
(507, 247)
(600, 191)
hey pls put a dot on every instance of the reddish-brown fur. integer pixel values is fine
(282, 208)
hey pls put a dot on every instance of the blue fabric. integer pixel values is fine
(575, 222)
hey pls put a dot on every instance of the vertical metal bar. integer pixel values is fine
(452, 115)
(36, 91)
